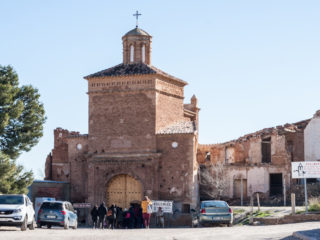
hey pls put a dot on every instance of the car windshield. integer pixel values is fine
(217, 204)
(14, 200)
(51, 205)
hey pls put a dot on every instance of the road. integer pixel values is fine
(234, 233)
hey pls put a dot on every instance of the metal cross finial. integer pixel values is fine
(137, 14)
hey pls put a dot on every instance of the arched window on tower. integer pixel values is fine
(131, 53)
(143, 53)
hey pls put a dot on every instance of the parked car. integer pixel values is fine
(213, 212)
(57, 213)
(17, 210)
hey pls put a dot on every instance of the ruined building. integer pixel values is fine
(259, 162)
(142, 138)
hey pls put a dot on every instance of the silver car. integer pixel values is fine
(214, 212)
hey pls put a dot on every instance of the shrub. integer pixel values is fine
(314, 204)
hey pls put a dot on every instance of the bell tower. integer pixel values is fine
(136, 47)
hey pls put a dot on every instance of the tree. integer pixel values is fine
(12, 177)
(21, 114)
(213, 180)
(21, 126)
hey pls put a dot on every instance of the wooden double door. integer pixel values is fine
(123, 190)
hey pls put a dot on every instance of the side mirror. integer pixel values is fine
(193, 210)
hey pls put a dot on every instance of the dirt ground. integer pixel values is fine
(237, 232)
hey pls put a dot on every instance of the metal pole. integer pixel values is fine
(306, 194)
(284, 192)
(241, 191)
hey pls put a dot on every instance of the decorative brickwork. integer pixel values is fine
(128, 105)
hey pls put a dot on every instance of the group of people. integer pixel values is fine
(137, 216)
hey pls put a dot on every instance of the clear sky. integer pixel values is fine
(252, 64)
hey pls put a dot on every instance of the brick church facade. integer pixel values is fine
(142, 138)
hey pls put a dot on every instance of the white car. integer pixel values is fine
(17, 210)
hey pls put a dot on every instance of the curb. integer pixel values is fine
(302, 237)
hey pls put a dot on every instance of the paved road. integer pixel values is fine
(225, 233)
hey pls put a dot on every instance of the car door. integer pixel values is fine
(72, 214)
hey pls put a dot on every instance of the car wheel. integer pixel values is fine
(39, 225)
(230, 224)
(32, 224)
(49, 226)
(24, 225)
(66, 224)
(75, 225)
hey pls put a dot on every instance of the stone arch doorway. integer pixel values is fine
(122, 190)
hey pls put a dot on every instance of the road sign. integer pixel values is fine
(166, 206)
(305, 169)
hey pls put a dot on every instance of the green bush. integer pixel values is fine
(314, 204)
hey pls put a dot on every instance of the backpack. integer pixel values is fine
(127, 215)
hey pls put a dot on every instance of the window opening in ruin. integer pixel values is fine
(290, 149)
(208, 156)
(266, 150)
(311, 180)
(275, 184)
(185, 208)
(131, 53)
(143, 53)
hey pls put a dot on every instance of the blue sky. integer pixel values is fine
(252, 64)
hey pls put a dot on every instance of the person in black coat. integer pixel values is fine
(102, 212)
(94, 216)
(113, 216)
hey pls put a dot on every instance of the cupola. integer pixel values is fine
(136, 47)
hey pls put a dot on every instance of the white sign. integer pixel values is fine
(82, 205)
(305, 169)
(166, 206)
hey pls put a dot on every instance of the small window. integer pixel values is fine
(208, 156)
(266, 150)
(131, 53)
(143, 53)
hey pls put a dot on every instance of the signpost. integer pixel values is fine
(305, 170)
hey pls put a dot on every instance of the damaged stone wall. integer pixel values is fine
(261, 160)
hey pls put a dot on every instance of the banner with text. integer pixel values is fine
(305, 169)
(166, 206)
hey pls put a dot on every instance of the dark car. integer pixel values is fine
(57, 213)
(214, 212)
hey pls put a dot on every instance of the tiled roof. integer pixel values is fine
(124, 69)
(178, 128)
(132, 69)
(137, 31)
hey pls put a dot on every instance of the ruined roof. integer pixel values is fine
(280, 130)
(132, 69)
(179, 128)
(137, 32)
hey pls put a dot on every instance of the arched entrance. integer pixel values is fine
(122, 190)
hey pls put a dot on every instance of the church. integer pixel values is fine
(142, 137)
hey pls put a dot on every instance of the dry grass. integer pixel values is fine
(314, 204)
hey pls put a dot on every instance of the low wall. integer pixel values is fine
(288, 219)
